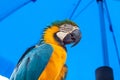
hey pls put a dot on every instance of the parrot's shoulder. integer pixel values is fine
(25, 53)
(42, 48)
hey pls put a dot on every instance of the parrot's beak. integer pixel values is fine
(73, 37)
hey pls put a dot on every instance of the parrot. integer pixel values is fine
(47, 59)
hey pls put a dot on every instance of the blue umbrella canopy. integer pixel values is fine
(24, 27)
(7, 7)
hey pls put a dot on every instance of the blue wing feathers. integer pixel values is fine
(33, 63)
(29, 49)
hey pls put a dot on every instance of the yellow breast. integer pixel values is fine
(55, 64)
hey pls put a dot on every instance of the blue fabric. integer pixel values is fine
(24, 28)
(9, 6)
(6, 67)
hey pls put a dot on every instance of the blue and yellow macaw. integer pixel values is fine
(46, 60)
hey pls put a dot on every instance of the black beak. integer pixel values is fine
(73, 37)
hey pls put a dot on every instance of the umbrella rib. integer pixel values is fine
(103, 33)
(84, 9)
(111, 29)
(15, 9)
(75, 8)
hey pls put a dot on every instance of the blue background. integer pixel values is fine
(24, 27)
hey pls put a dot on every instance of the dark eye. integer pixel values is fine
(65, 25)
(62, 29)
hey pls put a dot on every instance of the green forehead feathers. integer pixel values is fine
(59, 23)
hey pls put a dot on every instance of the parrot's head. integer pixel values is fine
(62, 33)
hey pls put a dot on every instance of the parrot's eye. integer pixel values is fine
(67, 28)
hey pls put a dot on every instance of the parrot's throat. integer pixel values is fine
(50, 37)
(60, 42)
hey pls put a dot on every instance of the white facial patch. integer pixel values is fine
(61, 35)
(66, 29)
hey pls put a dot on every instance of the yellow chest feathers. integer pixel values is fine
(55, 64)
